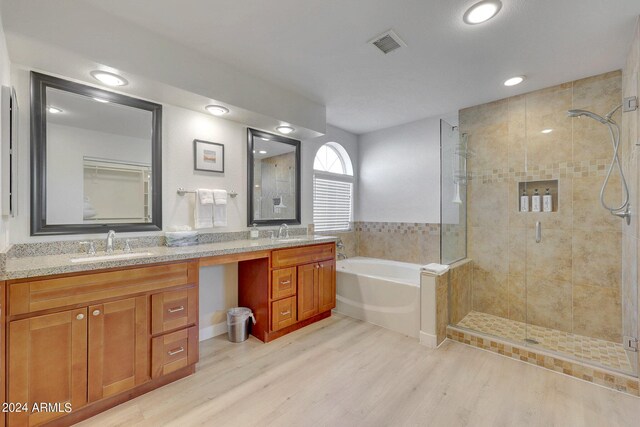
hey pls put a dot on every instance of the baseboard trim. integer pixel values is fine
(211, 331)
(428, 340)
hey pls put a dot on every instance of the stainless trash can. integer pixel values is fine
(238, 323)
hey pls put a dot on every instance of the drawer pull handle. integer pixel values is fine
(284, 313)
(285, 282)
(176, 351)
(80, 316)
(176, 309)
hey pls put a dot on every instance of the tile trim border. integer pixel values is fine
(613, 380)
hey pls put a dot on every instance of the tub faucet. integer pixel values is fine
(341, 256)
(111, 237)
(285, 228)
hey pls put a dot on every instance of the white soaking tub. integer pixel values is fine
(382, 292)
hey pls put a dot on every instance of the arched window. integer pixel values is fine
(332, 188)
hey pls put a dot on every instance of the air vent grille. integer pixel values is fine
(387, 42)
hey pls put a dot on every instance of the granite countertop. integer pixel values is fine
(26, 267)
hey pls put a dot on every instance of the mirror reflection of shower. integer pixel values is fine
(621, 211)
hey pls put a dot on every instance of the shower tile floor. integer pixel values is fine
(604, 353)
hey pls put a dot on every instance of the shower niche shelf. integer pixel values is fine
(530, 186)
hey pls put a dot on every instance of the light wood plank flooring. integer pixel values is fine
(344, 372)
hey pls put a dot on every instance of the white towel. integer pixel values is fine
(203, 210)
(220, 208)
(205, 196)
(435, 268)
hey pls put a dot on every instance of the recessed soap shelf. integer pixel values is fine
(530, 186)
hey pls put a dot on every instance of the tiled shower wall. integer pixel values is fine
(630, 131)
(573, 277)
(398, 241)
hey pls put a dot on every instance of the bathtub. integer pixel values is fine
(385, 293)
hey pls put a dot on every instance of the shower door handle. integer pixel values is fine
(538, 231)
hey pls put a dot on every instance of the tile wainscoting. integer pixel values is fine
(417, 243)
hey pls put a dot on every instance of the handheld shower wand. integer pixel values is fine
(621, 211)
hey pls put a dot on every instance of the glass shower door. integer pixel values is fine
(574, 291)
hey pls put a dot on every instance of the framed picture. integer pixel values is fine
(208, 156)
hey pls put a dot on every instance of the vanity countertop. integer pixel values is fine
(46, 265)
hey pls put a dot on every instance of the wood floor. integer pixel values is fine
(344, 372)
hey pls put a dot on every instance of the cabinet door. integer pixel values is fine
(327, 285)
(47, 364)
(308, 291)
(118, 347)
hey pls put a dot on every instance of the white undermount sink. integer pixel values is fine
(113, 257)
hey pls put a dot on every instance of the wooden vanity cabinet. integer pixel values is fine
(98, 353)
(299, 289)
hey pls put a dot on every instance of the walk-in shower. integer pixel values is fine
(552, 277)
(614, 130)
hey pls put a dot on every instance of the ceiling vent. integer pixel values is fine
(387, 42)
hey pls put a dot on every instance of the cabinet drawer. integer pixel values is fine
(302, 255)
(283, 313)
(173, 351)
(43, 294)
(173, 310)
(283, 283)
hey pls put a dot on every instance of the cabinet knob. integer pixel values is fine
(317, 265)
(96, 312)
(80, 316)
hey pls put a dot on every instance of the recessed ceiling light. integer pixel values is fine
(262, 152)
(265, 139)
(482, 11)
(54, 110)
(217, 110)
(100, 100)
(108, 78)
(547, 130)
(514, 81)
(285, 129)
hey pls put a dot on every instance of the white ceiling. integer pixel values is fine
(319, 48)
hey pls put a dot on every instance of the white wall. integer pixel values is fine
(309, 148)
(400, 173)
(5, 80)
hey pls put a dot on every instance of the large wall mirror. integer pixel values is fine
(274, 179)
(95, 159)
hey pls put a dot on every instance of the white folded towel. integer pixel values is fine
(203, 210)
(436, 268)
(220, 208)
(205, 196)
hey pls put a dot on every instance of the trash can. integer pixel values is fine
(238, 323)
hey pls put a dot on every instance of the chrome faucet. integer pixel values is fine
(111, 237)
(284, 227)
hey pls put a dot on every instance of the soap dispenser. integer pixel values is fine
(535, 201)
(524, 201)
(547, 202)
(254, 233)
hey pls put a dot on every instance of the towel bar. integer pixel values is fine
(181, 192)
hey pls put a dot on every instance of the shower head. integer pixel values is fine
(594, 116)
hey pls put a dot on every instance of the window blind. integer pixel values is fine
(332, 204)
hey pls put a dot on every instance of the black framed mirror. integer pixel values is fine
(96, 159)
(273, 179)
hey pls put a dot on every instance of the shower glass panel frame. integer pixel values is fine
(453, 194)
